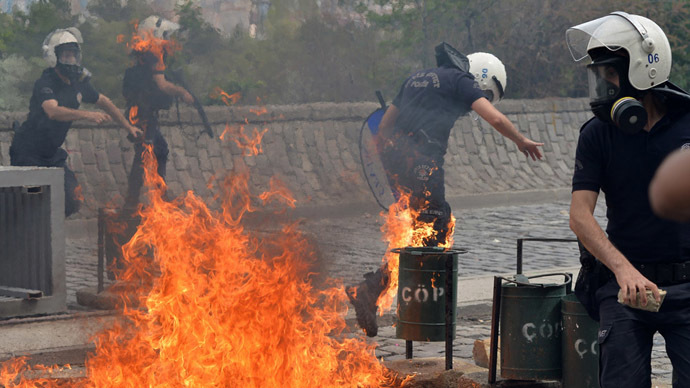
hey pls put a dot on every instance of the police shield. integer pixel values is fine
(372, 167)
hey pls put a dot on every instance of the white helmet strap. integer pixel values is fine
(647, 42)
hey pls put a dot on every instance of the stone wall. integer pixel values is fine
(313, 148)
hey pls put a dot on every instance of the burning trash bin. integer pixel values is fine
(422, 291)
(427, 296)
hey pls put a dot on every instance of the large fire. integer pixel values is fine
(208, 303)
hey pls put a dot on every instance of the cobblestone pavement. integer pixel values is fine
(352, 246)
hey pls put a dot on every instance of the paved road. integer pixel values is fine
(351, 246)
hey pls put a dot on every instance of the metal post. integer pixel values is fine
(101, 248)
(408, 350)
(519, 256)
(495, 316)
(520, 243)
(449, 311)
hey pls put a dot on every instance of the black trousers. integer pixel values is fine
(24, 156)
(417, 169)
(626, 338)
(152, 136)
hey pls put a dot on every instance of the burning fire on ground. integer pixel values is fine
(209, 303)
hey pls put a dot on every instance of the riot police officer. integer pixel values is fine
(412, 141)
(147, 91)
(54, 104)
(640, 118)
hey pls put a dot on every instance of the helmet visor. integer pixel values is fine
(607, 31)
(604, 82)
(68, 54)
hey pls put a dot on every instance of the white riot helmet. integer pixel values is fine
(57, 38)
(642, 39)
(630, 54)
(157, 27)
(60, 41)
(490, 74)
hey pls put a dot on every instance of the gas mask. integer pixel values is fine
(69, 61)
(612, 98)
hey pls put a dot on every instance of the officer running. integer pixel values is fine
(413, 138)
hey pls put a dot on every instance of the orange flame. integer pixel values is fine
(78, 193)
(133, 111)
(278, 191)
(402, 229)
(249, 144)
(259, 111)
(146, 41)
(207, 303)
(228, 99)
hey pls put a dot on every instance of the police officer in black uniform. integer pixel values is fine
(412, 141)
(640, 118)
(147, 91)
(54, 104)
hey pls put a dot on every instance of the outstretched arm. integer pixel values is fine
(501, 123)
(104, 103)
(171, 89)
(587, 229)
(63, 113)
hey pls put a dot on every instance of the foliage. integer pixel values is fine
(304, 53)
(15, 75)
(114, 10)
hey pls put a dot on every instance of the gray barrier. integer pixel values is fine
(313, 148)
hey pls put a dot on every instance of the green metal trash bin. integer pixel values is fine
(580, 348)
(530, 328)
(422, 292)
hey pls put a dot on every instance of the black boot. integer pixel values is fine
(364, 296)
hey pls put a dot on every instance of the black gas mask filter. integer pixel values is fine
(73, 69)
(612, 98)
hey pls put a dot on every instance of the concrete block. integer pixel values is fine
(102, 160)
(470, 144)
(204, 162)
(87, 153)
